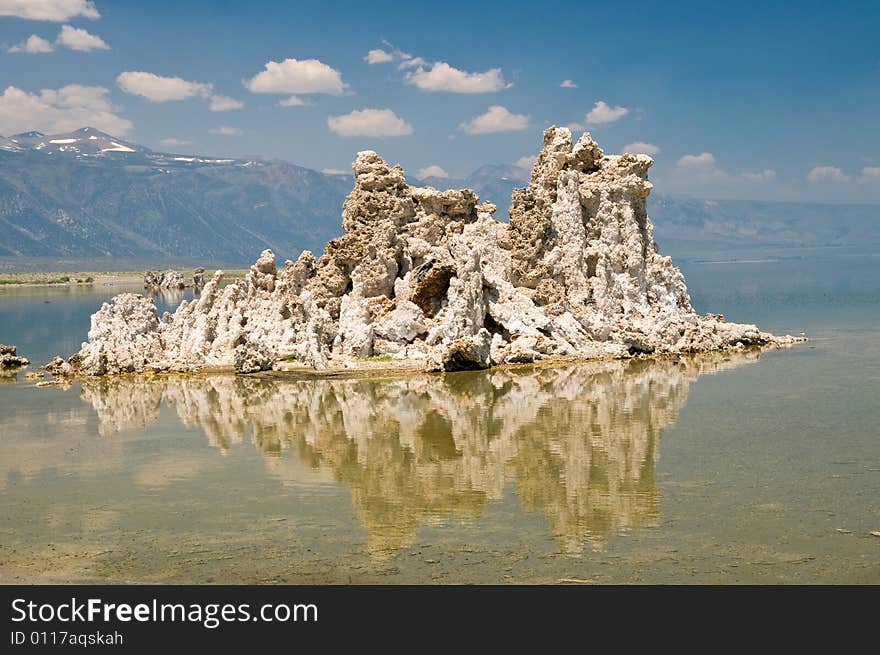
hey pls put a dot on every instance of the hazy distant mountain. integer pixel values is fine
(90, 194)
(690, 223)
(87, 194)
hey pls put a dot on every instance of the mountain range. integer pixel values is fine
(89, 194)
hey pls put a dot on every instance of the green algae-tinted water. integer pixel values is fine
(737, 468)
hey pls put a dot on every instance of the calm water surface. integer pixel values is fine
(734, 468)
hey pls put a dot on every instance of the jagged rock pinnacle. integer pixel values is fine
(429, 279)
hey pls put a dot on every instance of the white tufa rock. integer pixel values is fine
(9, 357)
(431, 280)
(158, 281)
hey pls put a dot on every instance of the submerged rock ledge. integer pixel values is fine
(429, 279)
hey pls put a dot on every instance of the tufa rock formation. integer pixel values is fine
(157, 281)
(429, 279)
(10, 359)
(58, 367)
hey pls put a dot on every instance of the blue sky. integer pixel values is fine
(764, 100)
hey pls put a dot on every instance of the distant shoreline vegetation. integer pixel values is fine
(46, 278)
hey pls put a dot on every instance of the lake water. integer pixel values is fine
(719, 468)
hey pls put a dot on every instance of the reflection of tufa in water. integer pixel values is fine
(579, 442)
(10, 363)
(429, 279)
(171, 297)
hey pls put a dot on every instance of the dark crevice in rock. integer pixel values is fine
(430, 282)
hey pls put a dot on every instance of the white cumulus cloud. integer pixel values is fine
(431, 171)
(871, 172)
(393, 55)
(827, 174)
(568, 84)
(79, 39)
(527, 162)
(369, 122)
(33, 44)
(226, 131)
(224, 103)
(438, 75)
(378, 56)
(602, 114)
(292, 101)
(412, 62)
(295, 76)
(60, 110)
(641, 147)
(700, 171)
(57, 11)
(157, 88)
(443, 77)
(335, 171)
(496, 119)
(697, 161)
(69, 37)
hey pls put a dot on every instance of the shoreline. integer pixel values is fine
(88, 279)
(78, 279)
(387, 369)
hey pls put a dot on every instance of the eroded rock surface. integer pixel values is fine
(429, 279)
(161, 280)
(9, 358)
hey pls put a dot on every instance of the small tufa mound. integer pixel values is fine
(161, 281)
(10, 359)
(58, 368)
(429, 279)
